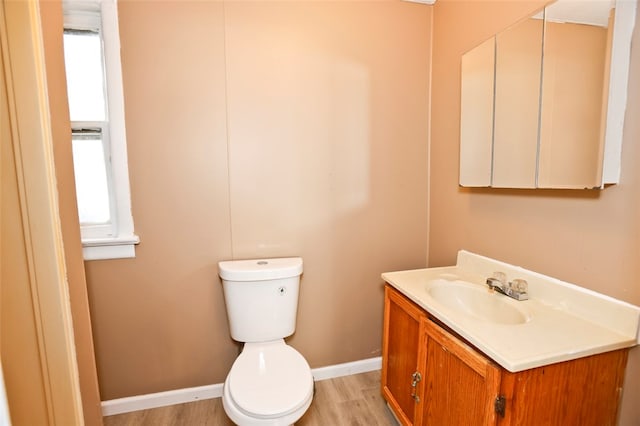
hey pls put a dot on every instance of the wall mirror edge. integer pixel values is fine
(624, 24)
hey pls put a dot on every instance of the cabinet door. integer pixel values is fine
(584, 391)
(400, 354)
(460, 385)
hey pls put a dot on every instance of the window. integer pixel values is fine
(96, 108)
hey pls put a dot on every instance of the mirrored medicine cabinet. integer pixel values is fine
(542, 102)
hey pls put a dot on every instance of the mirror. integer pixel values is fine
(517, 102)
(542, 103)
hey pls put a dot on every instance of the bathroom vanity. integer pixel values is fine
(456, 352)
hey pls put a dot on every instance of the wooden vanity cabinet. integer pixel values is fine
(430, 376)
(460, 384)
(401, 344)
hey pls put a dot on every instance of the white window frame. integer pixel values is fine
(119, 240)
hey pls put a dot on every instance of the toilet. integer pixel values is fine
(270, 383)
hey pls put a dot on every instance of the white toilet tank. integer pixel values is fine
(261, 296)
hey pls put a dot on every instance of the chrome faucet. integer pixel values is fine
(516, 289)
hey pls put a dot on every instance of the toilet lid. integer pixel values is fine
(269, 380)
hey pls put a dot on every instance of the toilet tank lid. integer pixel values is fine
(260, 269)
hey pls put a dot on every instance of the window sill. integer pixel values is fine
(109, 248)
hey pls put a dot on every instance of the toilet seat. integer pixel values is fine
(270, 380)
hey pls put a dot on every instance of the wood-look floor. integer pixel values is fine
(351, 400)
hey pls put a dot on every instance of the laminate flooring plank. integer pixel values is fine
(343, 401)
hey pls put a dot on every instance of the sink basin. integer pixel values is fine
(477, 301)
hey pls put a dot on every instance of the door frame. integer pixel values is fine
(24, 77)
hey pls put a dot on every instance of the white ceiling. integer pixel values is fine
(588, 12)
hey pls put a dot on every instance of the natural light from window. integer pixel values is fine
(92, 189)
(98, 132)
(85, 87)
(85, 77)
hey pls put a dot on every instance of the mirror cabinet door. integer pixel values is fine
(476, 119)
(517, 102)
(574, 95)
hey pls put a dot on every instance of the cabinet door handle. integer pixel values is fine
(416, 377)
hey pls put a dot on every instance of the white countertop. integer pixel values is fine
(565, 321)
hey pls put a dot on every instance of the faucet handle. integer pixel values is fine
(518, 289)
(497, 281)
(501, 277)
(519, 285)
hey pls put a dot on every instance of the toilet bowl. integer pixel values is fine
(270, 383)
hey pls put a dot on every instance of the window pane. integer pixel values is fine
(92, 188)
(85, 79)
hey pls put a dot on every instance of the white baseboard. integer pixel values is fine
(160, 399)
(180, 396)
(347, 369)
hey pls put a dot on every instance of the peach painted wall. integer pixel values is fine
(263, 129)
(591, 238)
